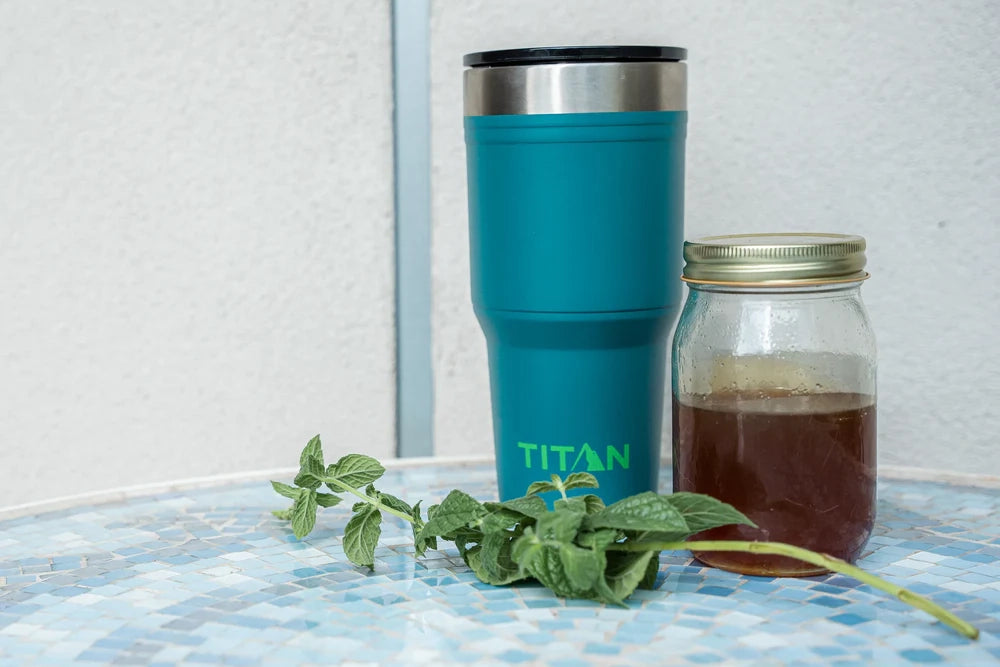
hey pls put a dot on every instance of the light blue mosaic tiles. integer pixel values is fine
(209, 577)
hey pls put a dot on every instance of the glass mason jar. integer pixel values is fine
(774, 394)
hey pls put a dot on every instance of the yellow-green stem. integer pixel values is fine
(332, 482)
(828, 562)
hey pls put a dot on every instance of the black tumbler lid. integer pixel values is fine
(539, 55)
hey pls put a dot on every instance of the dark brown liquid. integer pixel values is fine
(802, 467)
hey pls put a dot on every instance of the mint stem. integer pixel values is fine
(828, 562)
(368, 499)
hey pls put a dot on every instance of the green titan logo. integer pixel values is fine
(583, 458)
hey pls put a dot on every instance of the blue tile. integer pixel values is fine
(542, 604)
(552, 626)
(128, 551)
(142, 558)
(180, 638)
(842, 582)
(516, 656)
(97, 655)
(64, 566)
(951, 597)
(25, 562)
(179, 560)
(921, 655)
(593, 648)
(979, 558)
(945, 639)
(849, 619)
(494, 619)
(826, 588)
(40, 587)
(209, 658)
(716, 590)
(304, 572)
(829, 601)
(946, 551)
(300, 624)
(795, 594)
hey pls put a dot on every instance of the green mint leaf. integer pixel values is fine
(456, 511)
(498, 521)
(622, 574)
(313, 449)
(594, 503)
(463, 537)
(580, 480)
(642, 538)
(497, 564)
(327, 499)
(582, 566)
(308, 480)
(703, 512)
(285, 490)
(648, 581)
(598, 539)
(355, 470)
(420, 545)
(359, 506)
(700, 513)
(578, 505)
(361, 536)
(504, 570)
(393, 502)
(547, 566)
(310, 474)
(304, 514)
(282, 514)
(526, 548)
(540, 487)
(560, 526)
(576, 480)
(529, 506)
(646, 511)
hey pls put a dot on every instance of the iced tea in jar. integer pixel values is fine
(774, 368)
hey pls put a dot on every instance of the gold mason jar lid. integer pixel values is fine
(775, 260)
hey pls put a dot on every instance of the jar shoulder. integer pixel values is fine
(812, 343)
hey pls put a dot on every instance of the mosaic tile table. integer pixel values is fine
(208, 576)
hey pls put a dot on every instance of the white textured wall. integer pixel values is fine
(878, 118)
(195, 238)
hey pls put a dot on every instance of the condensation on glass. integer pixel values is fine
(774, 369)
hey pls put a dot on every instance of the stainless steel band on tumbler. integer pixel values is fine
(575, 80)
(575, 88)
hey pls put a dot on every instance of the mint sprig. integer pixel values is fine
(579, 549)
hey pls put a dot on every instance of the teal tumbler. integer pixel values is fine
(576, 207)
